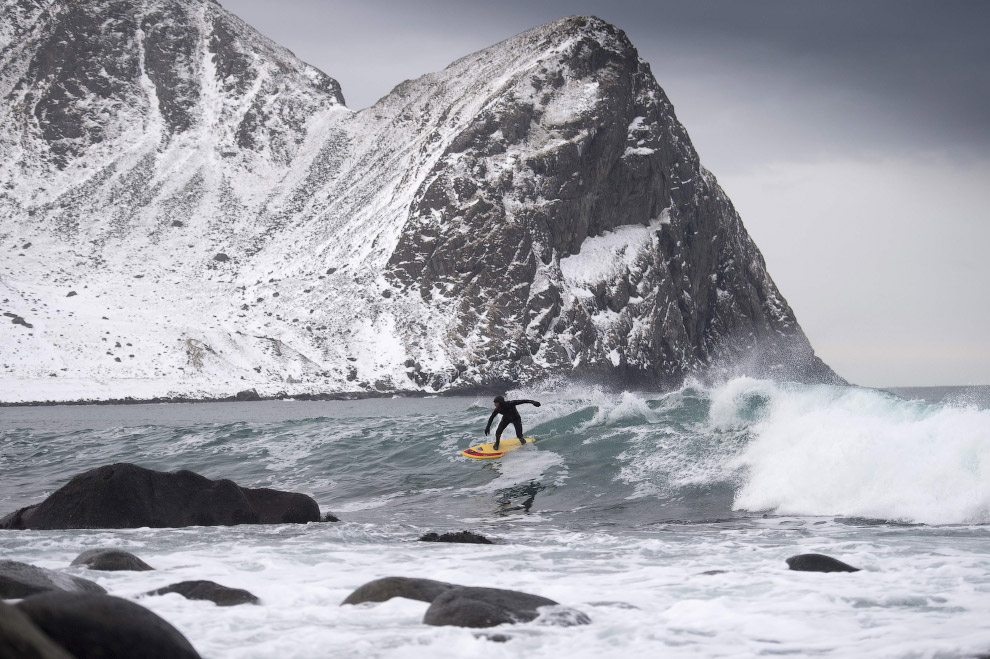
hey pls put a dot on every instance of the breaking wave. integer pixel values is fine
(744, 448)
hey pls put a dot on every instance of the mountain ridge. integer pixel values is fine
(267, 237)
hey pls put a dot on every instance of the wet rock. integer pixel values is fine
(381, 590)
(818, 563)
(208, 590)
(124, 496)
(247, 395)
(17, 320)
(20, 639)
(488, 607)
(90, 626)
(19, 580)
(111, 560)
(329, 517)
(461, 536)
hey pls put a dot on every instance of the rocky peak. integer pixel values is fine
(534, 209)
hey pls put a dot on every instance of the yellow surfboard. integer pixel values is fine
(485, 451)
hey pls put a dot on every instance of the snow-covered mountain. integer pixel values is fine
(188, 209)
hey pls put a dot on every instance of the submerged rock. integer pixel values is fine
(208, 590)
(460, 536)
(124, 496)
(381, 590)
(818, 563)
(90, 625)
(488, 607)
(111, 560)
(19, 580)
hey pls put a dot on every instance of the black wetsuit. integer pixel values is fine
(509, 415)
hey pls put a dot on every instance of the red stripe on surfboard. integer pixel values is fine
(471, 451)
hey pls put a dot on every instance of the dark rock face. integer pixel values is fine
(20, 639)
(122, 496)
(248, 395)
(818, 563)
(111, 560)
(461, 536)
(91, 626)
(208, 590)
(19, 580)
(533, 210)
(381, 590)
(487, 607)
(604, 246)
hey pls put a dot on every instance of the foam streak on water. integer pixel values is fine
(618, 510)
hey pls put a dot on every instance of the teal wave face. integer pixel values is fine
(747, 447)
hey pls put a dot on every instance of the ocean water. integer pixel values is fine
(667, 518)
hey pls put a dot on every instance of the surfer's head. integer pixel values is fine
(499, 400)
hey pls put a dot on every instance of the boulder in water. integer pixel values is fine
(381, 590)
(487, 607)
(18, 580)
(91, 625)
(111, 560)
(461, 536)
(818, 563)
(20, 639)
(208, 590)
(125, 496)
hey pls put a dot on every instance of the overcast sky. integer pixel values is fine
(853, 137)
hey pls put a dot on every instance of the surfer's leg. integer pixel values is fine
(518, 425)
(498, 432)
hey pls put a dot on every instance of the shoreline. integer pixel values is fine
(252, 396)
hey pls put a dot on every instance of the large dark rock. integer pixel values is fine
(466, 537)
(19, 580)
(248, 395)
(818, 563)
(123, 496)
(208, 590)
(111, 560)
(381, 590)
(105, 627)
(487, 607)
(20, 639)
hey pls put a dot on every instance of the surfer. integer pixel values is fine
(507, 408)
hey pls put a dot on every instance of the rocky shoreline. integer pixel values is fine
(59, 615)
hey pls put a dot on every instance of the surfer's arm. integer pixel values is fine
(488, 426)
(535, 403)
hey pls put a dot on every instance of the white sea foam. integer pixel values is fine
(860, 452)
(646, 595)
